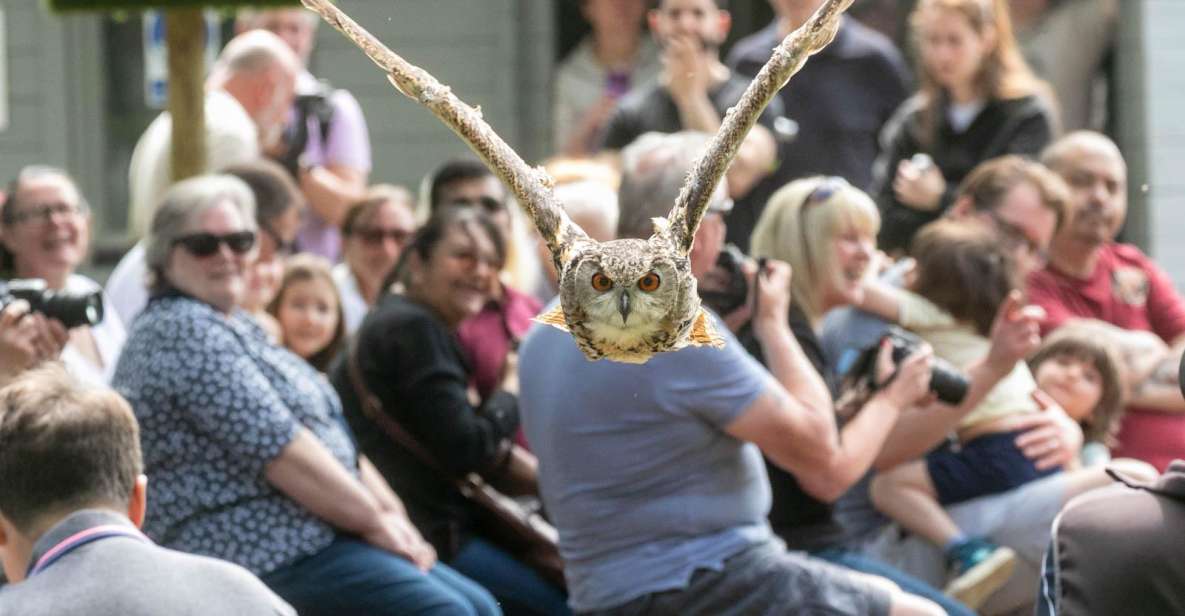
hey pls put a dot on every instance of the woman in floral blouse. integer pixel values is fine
(245, 443)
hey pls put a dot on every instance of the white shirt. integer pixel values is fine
(354, 306)
(126, 286)
(109, 337)
(230, 138)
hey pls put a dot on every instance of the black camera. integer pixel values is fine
(72, 309)
(946, 381)
(727, 288)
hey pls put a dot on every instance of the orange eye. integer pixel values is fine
(601, 282)
(649, 283)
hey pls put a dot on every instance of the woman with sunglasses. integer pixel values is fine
(374, 232)
(409, 357)
(978, 100)
(46, 234)
(250, 457)
(826, 230)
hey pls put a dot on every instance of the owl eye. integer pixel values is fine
(649, 283)
(601, 282)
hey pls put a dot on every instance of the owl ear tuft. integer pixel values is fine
(554, 317)
(703, 332)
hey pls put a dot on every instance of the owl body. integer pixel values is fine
(626, 300)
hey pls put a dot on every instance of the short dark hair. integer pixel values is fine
(63, 446)
(427, 237)
(455, 170)
(275, 190)
(964, 269)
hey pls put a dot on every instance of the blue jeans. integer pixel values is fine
(519, 589)
(353, 577)
(858, 562)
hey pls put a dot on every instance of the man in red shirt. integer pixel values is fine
(1089, 276)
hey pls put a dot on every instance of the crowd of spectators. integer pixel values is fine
(304, 362)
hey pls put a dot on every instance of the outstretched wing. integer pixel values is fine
(787, 58)
(532, 187)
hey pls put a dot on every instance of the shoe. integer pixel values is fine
(980, 568)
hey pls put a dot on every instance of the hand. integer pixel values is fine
(773, 295)
(27, 339)
(910, 382)
(1015, 333)
(919, 187)
(687, 69)
(1051, 438)
(396, 534)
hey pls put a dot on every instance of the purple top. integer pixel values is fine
(348, 145)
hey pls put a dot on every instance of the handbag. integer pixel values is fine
(519, 529)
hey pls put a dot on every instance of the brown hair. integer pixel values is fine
(376, 196)
(990, 181)
(1003, 74)
(64, 447)
(964, 269)
(302, 268)
(1085, 345)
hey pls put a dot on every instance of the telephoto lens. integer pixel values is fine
(72, 309)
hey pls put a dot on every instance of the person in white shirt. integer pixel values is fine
(375, 230)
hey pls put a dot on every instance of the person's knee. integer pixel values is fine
(1137, 470)
(882, 488)
(905, 604)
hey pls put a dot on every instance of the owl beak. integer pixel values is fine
(623, 306)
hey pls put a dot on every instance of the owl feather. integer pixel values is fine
(667, 318)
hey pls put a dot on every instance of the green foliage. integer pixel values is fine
(134, 5)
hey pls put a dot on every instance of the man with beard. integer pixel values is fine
(695, 90)
(1089, 276)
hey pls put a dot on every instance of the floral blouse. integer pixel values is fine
(216, 403)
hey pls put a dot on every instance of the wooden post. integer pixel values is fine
(185, 34)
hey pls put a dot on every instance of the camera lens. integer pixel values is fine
(73, 310)
(948, 383)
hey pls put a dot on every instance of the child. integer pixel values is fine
(964, 274)
(309, 310)
(1080, 371)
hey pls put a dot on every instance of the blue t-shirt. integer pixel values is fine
(635, 468)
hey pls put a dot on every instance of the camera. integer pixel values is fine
(72, 309)
(946, 381)
(728, 288)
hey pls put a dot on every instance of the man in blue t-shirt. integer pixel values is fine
(653, 473)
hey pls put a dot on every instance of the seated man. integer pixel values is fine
(648, 471)
(71, 500)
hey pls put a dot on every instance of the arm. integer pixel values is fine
(331, 189)
(26, 339)
(307, 473)
(1015, 334)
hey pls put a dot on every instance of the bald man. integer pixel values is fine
(248, 94)
(1090, 276)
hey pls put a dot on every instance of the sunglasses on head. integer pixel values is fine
(821, 193)
(489, 204)
(206, 244)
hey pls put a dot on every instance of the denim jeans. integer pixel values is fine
(353, 577)
(858, 562)
(519, 589)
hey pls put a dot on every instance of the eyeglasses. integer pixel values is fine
(1018, 238)
(206, 244)
(44, 212)
(824, 191)
(489, 204)
(375, 236)
(282, 247)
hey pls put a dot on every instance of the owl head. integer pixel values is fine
(628, 299)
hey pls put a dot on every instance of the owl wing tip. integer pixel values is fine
(554, 317)
(703, 332)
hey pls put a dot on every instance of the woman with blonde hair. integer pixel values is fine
(826, 229)
(977, 100)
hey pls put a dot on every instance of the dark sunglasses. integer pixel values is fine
(375, 237)
(489, 204)
(206, 244)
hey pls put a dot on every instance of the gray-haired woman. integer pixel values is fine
(250, 459)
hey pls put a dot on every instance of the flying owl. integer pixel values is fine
(622, 300)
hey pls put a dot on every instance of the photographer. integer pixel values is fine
(326, 145)
(46, 234)
(27, 339)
